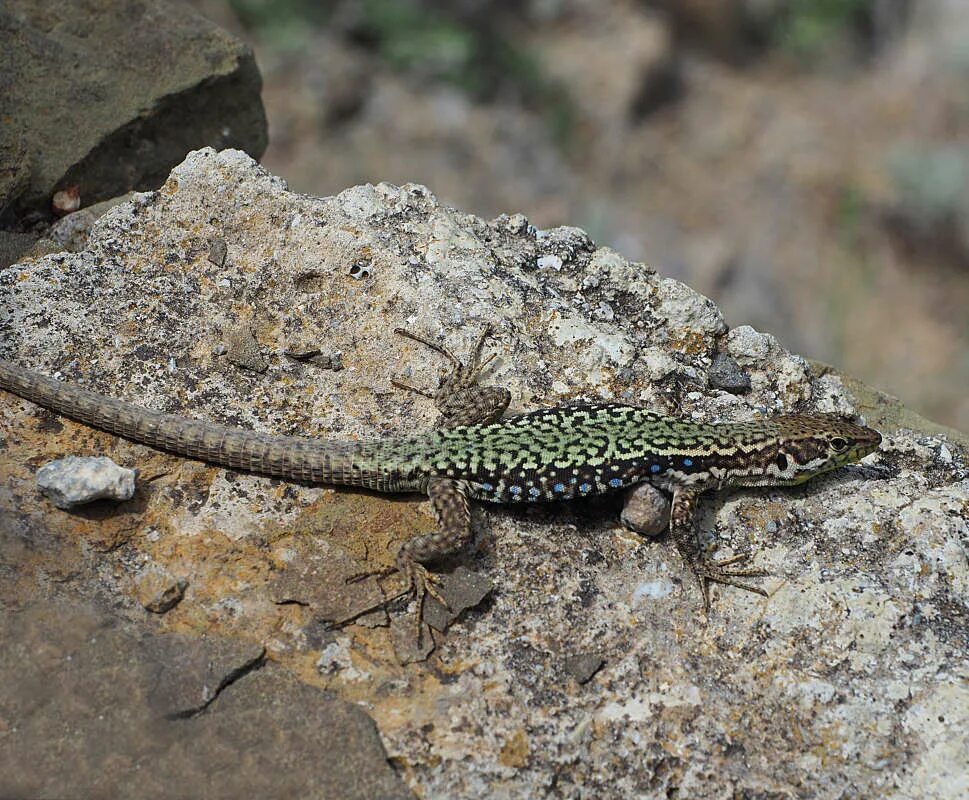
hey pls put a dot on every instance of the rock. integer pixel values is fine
(412, 640)
(583, 666)
(15, 166)
(93, 707)
(646, 510)
(74, 481)
(158, 590)
(461, 589)
(313, 355)
(851, 673)
(197, 671)
(324, 577)
(773, 373)
(71, 231)
(726, 374)
(66, 201)
(185, 84)
(243, 350)
(13, 246)
(218, 250)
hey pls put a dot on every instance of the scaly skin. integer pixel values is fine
(550, 454)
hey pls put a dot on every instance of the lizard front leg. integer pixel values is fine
(459, 398)
(684, 533)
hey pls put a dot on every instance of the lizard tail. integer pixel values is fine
(294, 458)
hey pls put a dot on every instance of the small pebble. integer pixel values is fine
(67, 200)
(583, 666)
(243, 350)
(726, 374)
(646, 510)
(159, 591)
(75, 480)
(313, 355)
(217, 251)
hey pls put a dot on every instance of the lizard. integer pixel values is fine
(475, 453)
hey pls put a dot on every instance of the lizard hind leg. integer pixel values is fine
(449, 499)
(459, 398)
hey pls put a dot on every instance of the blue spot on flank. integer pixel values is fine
(585, 487)
(487, 487)
(515, 489)
(655, 468)
(687, 462)
(559, 487)
(534, 491)
(615, 483)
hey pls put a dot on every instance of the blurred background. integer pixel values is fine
(804, 163)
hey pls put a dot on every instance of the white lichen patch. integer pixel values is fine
(939, 717)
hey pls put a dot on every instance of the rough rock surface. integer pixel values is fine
(108, 95)
(850, 679)
(96, 703)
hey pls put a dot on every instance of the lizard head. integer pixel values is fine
(809, 444)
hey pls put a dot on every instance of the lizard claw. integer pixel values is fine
(417, 580)
(426, 583)
(379, 574)
(423, 583)
(707, 572)
(459, 398)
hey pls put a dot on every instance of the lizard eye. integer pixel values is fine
(839, 444)
(782, 462)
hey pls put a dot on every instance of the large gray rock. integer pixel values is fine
(110, 95)
(94, 705)
(849, 679)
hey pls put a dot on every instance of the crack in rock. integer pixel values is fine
(239, 672)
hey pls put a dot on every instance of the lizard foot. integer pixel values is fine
(423, 584)
(417, 579)
(707, 572)
(459, 398)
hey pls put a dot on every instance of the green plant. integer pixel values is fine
(809, 28)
